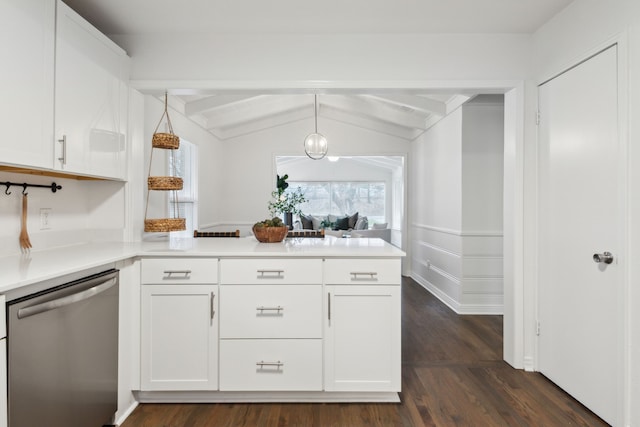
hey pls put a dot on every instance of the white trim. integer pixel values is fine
(439, 249)
(436, 292)
(263, 397)
(125, 414)
(459, 233)
(513, 199)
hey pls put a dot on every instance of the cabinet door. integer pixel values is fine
(90, 74)
(362, 338)
(179, 337)
(27, 37)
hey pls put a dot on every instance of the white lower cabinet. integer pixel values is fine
(179, 336)
(362, 338)
(285, 325)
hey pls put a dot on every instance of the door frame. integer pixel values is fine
(622, 181)
(518, 333)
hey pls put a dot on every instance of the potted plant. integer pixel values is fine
(286, 202)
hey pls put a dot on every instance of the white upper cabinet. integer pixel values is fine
(27, 38)
(91, 74)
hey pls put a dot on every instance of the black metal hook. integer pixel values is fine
(24, 189)
(7, 192)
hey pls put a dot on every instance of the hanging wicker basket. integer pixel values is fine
(164, 183)
(164, 225)
(167, 141)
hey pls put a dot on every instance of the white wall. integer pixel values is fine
(82, 211)
(249, 163)
(456, 194)
(580, 30)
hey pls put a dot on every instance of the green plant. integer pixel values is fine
(285, 201)
(273, 222)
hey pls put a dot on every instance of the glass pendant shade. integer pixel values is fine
(315, 145)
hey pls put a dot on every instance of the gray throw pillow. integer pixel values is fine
(381, 226)
(352, 221)
(362, 224)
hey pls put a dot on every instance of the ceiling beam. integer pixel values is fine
(212, 102)
(368, 123)
(258, 108)
(416, 103)
(374, 110)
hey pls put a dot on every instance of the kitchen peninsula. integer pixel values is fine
(232, 319)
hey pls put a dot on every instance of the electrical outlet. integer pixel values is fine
(45, 218)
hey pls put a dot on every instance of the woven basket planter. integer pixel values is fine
(168, 141)
(164, 183)
(270, 234)
(164, 225)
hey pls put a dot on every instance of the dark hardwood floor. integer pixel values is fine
(452, 373)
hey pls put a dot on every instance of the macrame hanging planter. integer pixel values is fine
(172, 183)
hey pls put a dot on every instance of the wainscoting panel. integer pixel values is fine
(464, 270)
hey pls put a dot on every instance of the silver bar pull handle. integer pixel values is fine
(277, 364)
(213, 306)
(169, 274)
(270, 274)
(70, 299)
(364, 275)
(329, 306)
(604, 258)
(263, 308)
(63, 141)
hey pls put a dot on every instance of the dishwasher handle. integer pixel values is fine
(102, 285)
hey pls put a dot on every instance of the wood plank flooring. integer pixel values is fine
(452, 373)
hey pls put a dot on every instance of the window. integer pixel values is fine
(344, 197)
(185, 162)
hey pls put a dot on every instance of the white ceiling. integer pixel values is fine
(401, 115)
(317, 16)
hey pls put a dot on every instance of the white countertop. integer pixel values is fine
(21, 270)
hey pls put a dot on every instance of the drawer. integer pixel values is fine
(159, 271)
(270, 365)
(362, 271)
(271, 271)
(271, 311)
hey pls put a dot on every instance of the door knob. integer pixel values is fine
(606, 258)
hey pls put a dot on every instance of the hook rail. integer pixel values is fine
(53, 187)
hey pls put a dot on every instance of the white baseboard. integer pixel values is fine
(125, 414)
(264, 397)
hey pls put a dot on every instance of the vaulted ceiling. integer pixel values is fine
(404, 115)
(400, 115)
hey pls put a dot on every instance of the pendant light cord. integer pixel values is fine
(315, 110)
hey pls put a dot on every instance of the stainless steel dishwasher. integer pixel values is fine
(62, 347)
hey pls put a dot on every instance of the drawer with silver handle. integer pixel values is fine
(362, 271)
(271, 271)
(158, 271)
(271, 311)
(271, 365)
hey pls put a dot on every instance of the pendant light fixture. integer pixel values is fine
(315, 144)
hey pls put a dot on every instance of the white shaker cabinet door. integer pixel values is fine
(90, 99)
(362, 338)
(27, 41)
(179, 336)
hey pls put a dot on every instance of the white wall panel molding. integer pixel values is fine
(446, 299)
(438, 229)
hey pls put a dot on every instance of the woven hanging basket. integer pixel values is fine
(167, 141)
(164, 183)
(164, 225)
(270, 234)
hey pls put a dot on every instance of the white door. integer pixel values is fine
(179, 334)
(581, 189)
(362, 338)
